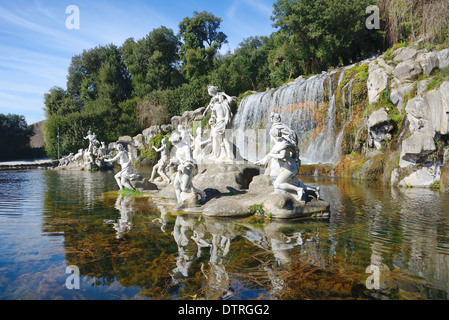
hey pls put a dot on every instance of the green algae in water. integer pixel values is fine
(130, 192)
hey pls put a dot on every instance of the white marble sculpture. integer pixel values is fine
(78, 157)
(103, 151)
(220, 106)
(92, 143)
(285, 163)
(127, 172)
(64, 161)
(199, 144)
(163, 162)
(186, 167)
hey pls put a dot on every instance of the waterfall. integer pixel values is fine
(308, 106)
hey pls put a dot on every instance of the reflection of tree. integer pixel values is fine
(179, 256)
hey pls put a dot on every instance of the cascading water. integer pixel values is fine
(308, 106)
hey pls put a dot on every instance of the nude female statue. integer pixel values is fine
(163, 162)
(220, 106)
(286, 160)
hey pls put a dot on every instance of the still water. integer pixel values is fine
(379, 243)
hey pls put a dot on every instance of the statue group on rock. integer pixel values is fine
(90, 158)
(282, 161)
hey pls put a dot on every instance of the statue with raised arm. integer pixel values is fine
(285, 163)
(92, 143)
(162, 163)
(127, 172)
(220, 106)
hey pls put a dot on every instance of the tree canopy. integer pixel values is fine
(117, 91)
(15, 136)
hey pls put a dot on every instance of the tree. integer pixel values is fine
(153, 61)
(16, 135)
(98, 97)
(202, 40)
(325, 33)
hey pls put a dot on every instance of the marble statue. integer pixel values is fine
(127, 172)
(186, 166)
(64, 161)
(162, 164)
(220, 107)
(103, 151)
(78, 156)
(284, 160)
(198, 145)
(92, 143)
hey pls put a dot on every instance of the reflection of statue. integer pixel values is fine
(123, 225)
(127, 173)
(186, 168)
(285, 160)
(163, 162)
(183, 260)
(220, 106)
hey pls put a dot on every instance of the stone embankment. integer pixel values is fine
(28, 164)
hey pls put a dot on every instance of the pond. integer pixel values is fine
(378, 243)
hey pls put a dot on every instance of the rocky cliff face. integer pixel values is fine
(407, 120)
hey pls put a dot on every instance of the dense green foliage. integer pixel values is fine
(15, 136)
(117, 91)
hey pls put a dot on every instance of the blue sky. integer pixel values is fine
(36, 47)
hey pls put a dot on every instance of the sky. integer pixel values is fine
(36, 46)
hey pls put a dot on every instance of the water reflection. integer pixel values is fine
(379, 242)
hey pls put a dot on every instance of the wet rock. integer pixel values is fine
(189, 200)
(423, 176)
(278, 206)
(416, 147)
(380, 125)
(142, 184)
